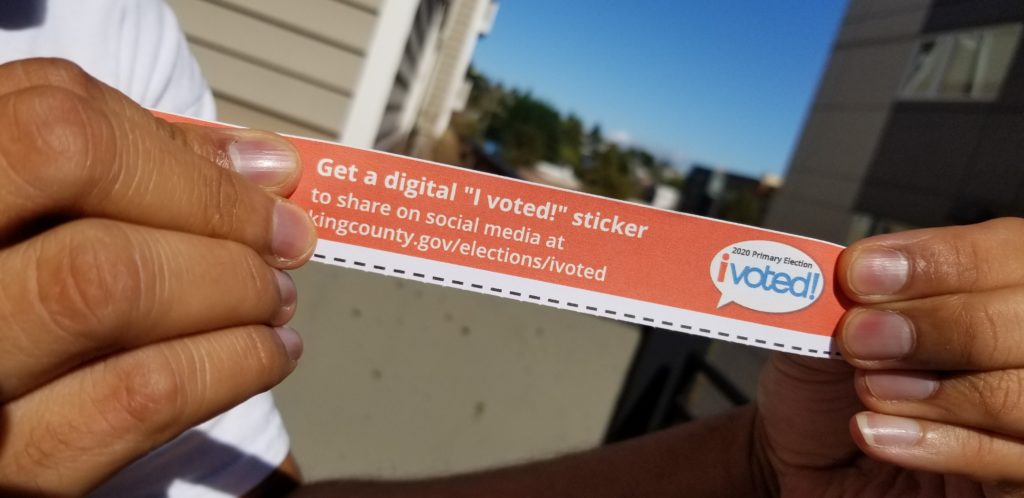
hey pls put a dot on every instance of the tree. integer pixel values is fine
(610, 175)
(571, 142)
(527, 128)
(595, 139)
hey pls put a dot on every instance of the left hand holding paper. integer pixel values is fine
(930, 400)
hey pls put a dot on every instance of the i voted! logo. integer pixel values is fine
(766, 276)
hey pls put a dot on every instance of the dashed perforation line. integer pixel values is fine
(630, 316)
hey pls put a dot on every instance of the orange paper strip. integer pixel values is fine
(450, 226)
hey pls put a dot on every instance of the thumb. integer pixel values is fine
(264, 158)
(805, 405)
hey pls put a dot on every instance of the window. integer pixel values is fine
(962, 65)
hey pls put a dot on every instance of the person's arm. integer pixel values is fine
(713, 457)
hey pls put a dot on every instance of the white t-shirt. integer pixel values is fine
(137, 47)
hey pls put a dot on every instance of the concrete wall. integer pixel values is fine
(403, 379)
(847, 119)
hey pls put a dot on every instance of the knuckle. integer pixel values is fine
(89, 279)
(1000, 396)
(66, 74)
(262, 284)
(144, 395)
(991, 249)
(63, 146)
(1011, 227)
(267, 354)
(223, 197)
(157, 392)
(955, 262)
(197, 142)
(266, 361)
(45, 449)
(978, 448)
(962, 339)
(38, 455)
(969, 260)
(54, 117)
(977, 330)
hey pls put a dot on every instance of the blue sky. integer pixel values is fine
(723, 82)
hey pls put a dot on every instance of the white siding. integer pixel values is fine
(286, 66)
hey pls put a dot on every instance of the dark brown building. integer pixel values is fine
(918, 121)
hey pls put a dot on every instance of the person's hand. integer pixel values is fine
(140, 262)
(930, 400)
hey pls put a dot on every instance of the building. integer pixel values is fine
(449, 87)
(369, 73)
(917, 122)
(555, 175)
(729, 196)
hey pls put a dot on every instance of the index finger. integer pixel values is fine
(261, 157)
(63, 155)
(934, 261)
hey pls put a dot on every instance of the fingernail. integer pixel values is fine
(878, 335)
(292, 341)
(293, 234)
(901, 386)
(885, 431)
(879, 271)
(286, 289)
(269, 163)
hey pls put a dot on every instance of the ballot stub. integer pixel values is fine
(449, 226)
